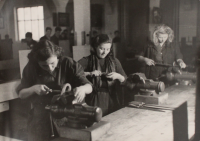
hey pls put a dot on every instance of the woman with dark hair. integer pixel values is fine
(103, 70)
(161, 51)
(48, 70)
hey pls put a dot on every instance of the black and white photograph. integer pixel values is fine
(99, 70)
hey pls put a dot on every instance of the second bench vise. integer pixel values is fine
(150, 92)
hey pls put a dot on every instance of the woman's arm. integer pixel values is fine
(87, 73)
(84, 63)
(35, 89)
(179, 57)
(83, 85)
(140, 58)
(119, 74)
(146, 60)
(26, 92)
(81, 91)
(87, 89)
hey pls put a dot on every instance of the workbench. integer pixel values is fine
(132, 124)
(8, 92)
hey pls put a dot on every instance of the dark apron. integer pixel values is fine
(39, 126)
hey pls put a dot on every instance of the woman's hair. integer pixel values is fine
(43, 50)
(100, 39)
(163, 29)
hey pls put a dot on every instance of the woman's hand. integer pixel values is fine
(137, 78)
(149, 62)
(41, 89)
(134, 79)
(181, 63)
(79, 93)
(114, 75)
(95, 73)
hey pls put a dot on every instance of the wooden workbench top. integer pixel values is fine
(8, 90)
(2, 138)
(131, 124)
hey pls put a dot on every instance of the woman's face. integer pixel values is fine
(103, 50)
(50, 64)
(162, 38)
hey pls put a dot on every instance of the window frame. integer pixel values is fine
(17, 32)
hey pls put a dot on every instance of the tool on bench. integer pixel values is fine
(142, 105)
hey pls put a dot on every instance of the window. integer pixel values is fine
(30, 19)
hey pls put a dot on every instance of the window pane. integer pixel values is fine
(21, 30)
(27, 12)
(28, 26)
(20, 13)
(31, 19)
(41, 28)
(34, 13)
(40, 12)
(35, 28)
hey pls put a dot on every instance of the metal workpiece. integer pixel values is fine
(152, 85)
(149, 84)
(183, 76)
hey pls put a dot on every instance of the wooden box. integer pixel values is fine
(90, 134)
(158, 99)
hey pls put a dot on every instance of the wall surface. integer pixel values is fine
(9, 18)
(188, 20)
(111, 17)
(10, 27)
(153, 3)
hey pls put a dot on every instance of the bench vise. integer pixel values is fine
(79, 115)
(148, 91)
(76, 121)
(185, 78)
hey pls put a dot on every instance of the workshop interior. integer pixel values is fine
(99, 70)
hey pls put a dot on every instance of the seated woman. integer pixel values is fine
(160, 52)
(48, 70)
(103, 70)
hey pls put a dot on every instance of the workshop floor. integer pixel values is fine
(14, 121)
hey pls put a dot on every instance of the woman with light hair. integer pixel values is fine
(161, 52)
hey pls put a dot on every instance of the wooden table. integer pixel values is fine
(2, 138)
(8, 92)
(131, 124)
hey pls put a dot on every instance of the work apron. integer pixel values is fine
(103, 99)
(39, 126)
